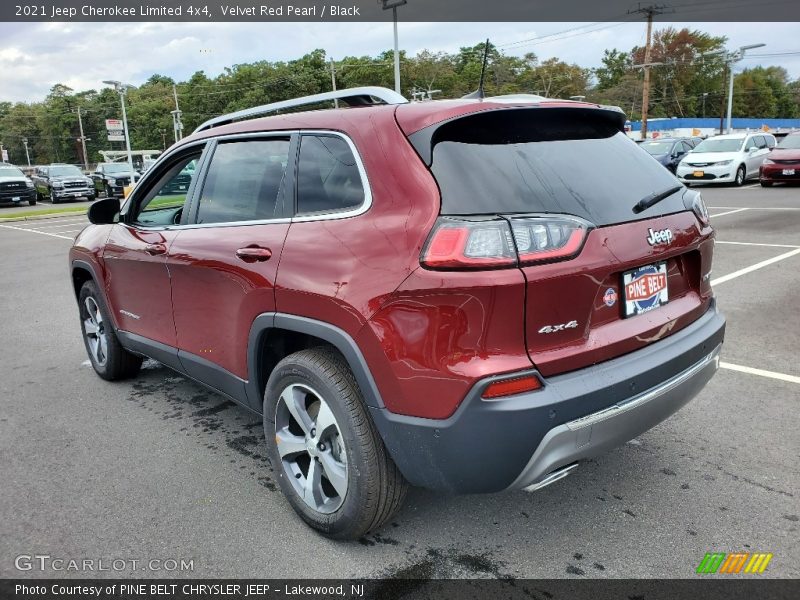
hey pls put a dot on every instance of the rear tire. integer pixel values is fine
(110, 360)
(359, 487)
(741, 176)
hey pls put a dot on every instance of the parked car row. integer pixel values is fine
(731, 158)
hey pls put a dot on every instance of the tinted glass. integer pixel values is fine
(328, 179)
(790, 141)
(163, 203)
(116, 168)
(65, 171)
(581, 167)
(10, 172)
(723, 145)
(244, 182)
(657, 148)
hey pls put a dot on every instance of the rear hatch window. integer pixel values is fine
(546, 160)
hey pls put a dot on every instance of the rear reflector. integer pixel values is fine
(509, 387)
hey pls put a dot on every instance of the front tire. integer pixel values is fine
(32, 202)
(331, 463)
(53, 197)
(741, 175)
(110, 360)
(766, 183)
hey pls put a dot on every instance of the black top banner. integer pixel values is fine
(407, 10)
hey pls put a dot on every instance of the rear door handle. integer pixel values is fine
(154, 249)
(254, 254)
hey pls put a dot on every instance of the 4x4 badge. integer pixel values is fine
(664, 236)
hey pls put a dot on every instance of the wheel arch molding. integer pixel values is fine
(267, 324)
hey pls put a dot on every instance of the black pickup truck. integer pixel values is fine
(59, 182)
(112, 178)
(14, 186)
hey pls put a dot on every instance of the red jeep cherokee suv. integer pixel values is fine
(468, 295)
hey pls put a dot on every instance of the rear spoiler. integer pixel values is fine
(519, 124)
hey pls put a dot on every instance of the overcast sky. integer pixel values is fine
(36, 56)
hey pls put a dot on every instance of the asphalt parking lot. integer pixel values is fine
(158, 467)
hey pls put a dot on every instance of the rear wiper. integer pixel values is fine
(654, 199)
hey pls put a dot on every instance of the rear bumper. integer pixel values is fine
(519, 441)
(775, 172)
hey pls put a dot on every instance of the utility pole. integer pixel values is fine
(333, 83)
(649, 12)
(176, 116)
(27, 154)
(82, 139)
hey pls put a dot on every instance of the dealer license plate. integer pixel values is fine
(645, 289)
(699, 173)
(788, 171)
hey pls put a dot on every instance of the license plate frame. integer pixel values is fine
(788, 172)
(644, 289)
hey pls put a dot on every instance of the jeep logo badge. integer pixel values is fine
(663, 236)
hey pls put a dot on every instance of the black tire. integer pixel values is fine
(32, 202)
(108, 192)
(375, 487)
(118, 363)
(53, 198)
(766, 183)
(741, 176)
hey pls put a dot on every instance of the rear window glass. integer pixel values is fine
(547, 160)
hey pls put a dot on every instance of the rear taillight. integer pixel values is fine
(470, 244)
(548, 238)
(496, 242)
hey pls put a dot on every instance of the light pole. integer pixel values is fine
(121, 89)
(705, 95)
(731, 58)
(27, 154)
(394, 4)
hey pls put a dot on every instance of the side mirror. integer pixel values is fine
(104, 212)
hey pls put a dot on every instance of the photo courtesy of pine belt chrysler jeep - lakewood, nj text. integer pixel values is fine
(464, 295)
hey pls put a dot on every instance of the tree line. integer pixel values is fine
(689, 82)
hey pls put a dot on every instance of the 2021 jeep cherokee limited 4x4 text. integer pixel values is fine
(469, 296)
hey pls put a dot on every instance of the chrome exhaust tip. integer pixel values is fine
(551, 477)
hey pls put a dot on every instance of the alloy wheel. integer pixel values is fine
(94, 329)
(309, 442)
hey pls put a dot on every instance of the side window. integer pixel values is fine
(770, 141)
(760, 141)
(163, 203)
(328, 179)
(244, 182)
(751, 143)
(686, 146)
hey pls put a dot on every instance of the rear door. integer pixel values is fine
(605, 274)
(224, 261)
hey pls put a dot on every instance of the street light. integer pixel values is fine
(121, 89)
(27, 154)
(393, 5)
(731, 58)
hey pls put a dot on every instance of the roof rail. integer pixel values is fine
(358, 96)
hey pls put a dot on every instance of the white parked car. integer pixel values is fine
(732, 158)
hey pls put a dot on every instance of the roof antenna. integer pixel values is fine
(479, 94)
